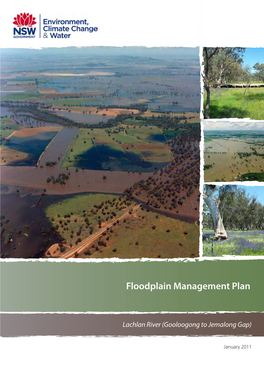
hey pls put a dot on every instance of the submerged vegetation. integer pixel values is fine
(233, 155)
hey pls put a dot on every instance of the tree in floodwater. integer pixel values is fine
(221, 65)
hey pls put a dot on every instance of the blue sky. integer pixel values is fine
(254, 191)
(257, 191)
(253, 55)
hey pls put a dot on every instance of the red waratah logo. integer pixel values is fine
(25, 19)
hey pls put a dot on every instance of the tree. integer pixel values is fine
(247, 77)
(259, 71)
(220, 65)
(236, 208)
(213, 205)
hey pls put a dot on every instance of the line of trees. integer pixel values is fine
(231, 207)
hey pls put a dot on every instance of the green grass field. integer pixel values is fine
(22, 96)
(133, 122)
(146, 134)
(235, 103)
(136, 238)
(6, 129)
(73, 101)
(77, 217)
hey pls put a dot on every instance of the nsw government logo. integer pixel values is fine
(24, 23)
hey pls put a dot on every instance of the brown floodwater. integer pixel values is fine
(226, 164)
(58, 146)
(81, 181)
(27, 232)
(83, 117)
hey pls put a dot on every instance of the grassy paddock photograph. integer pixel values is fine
(233, 83)
(233, 220)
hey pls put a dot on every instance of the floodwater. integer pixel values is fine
(26, 224)
(5, 112)
(24, 119)
(81, 181)
(84, 118)
(225, 161)
(58, 146)
(103, 157)
(33, 145)
(27, 231)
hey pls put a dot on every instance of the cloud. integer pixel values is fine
(233, 125)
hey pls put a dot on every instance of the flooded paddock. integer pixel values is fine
(81, 181)
(32, 145)
(26, 232)
(58, 146)
(86, 118)
(229, 158)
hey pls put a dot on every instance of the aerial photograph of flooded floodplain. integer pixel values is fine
(233, 220)
(233, 83)
(233, 151)
(100, 152)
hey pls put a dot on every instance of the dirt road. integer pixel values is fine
(86, 242)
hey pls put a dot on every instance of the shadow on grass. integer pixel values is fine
(254, 96)
(217, 112)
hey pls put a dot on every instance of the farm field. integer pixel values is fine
(147, 234)
(22, 96)
(236, 103)
(232, 155)
(7, 127)
(238, 243)
(82, 101)
(25, 145)
(120, 148)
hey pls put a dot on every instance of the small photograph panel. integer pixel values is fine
(233, 83)
(233, 150)
(233, 220)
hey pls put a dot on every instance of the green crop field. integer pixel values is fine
(237, 103)
(148, 134)
(151, 235)
(22, 96)
(73, 101)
